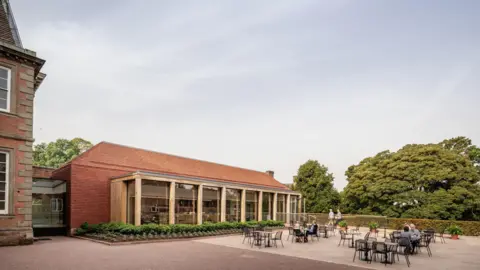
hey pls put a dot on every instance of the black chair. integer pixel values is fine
(344, 237)
(257, 239)
(323, 230)
(277, 237)
(299, 236)
(404, 248)
(361, 246)
(424, 242)
(379, 248)
(314, 233)
(356, 230)
(247, 234)
(440, 235)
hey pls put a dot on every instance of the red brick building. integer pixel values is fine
(20, 77)
(112, 182)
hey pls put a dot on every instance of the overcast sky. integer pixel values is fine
(264, 85)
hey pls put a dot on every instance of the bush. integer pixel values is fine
(454, 230)
(161, 229)
(343, 224)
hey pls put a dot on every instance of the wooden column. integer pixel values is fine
(260, 204)
(223, 209)
(299, 202)
(274, 210)
(138, 201)
(288, 209)
(243, 205)
(200, 204)
(171, 206)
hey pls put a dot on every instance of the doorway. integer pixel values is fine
(49, 207)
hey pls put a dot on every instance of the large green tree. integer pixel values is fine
(438, 181)
(54, 154)
(315, 184)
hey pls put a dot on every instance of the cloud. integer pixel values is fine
(256, 84)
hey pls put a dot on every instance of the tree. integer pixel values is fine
(59, 152)
(438, 181)
(315, 184)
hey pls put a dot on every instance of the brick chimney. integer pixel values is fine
(270, 173)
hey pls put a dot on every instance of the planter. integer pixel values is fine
(454, 237)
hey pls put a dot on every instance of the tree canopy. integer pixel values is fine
(435, 181)
(54, 154)
(315, 184)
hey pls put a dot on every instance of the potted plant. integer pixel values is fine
(343, 225)
(373, 227)
(454, 231)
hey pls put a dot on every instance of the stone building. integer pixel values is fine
(20, 77)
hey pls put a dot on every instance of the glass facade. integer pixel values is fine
(155, 204)
(48, 203)
(281, 209)
(186, 204)
(293, 204)
(233, 205)
(155, 201)
(211, 204)
(267, 206)
(251, 205)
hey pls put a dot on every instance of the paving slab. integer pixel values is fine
(75, 254)
(463, 254)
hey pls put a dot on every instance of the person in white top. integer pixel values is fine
(331, 217)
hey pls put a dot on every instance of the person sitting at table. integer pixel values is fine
(313, 229)
(406, 237)
(415, 237)
(297, 226)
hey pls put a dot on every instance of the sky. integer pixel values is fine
(264, 85)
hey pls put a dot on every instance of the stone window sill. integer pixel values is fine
(7, 216)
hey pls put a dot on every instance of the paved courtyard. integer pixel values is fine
(223, 253)
(69, 253)
(460, 254)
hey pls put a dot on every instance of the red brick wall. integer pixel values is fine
(16, 137)
(42, 172)
(89, 193)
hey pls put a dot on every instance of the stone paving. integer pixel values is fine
(460, 254)
(74, 254)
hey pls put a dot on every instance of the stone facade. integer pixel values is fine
(16, 138)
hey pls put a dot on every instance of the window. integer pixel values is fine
(4, 89)
(3, 182)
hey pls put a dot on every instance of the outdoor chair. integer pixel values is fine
(332, 230)
(291, 233)
(379, 248)
(356, 230)
(247, 234)
(440, 235)
(404, 248)
(323, 230)
(299, 236)
(344, 237)
(425, 243)
(257, 239)
(314, 233)
(361, 246)
(277, 237)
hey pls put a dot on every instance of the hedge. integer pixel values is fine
(160, 229)
(471, 228)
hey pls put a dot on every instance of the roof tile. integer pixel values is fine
(114, 156)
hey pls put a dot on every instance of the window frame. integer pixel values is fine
(9, 90)
(7, 182)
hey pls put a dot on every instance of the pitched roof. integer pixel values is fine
(8, 29)
(113, 156)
